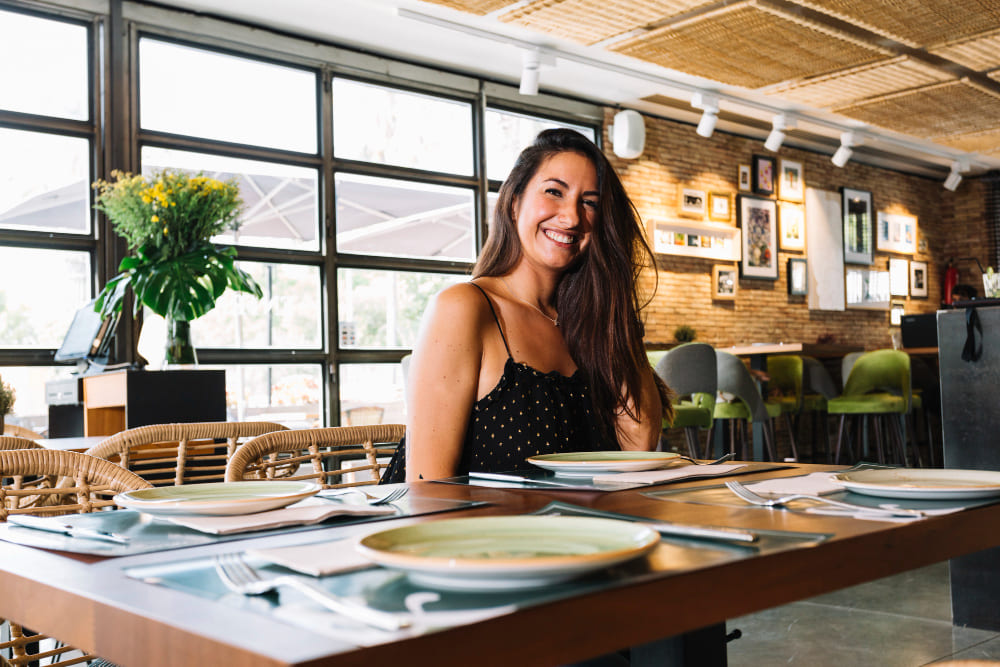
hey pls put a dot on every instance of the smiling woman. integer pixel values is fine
(514, 363)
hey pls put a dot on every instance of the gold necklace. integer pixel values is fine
(554, 320)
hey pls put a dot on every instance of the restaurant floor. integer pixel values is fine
(899, 621)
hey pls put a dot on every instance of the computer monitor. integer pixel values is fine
(88, 339)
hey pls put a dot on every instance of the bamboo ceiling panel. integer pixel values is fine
(749, 44)
(480, 7)
(859, 83)
(980, 53)
(952, 108)
(915, 22)
(590, 21)
(985, 143)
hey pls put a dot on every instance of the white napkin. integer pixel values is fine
(813, 484)
(319, 559)
(668, 475)
(296, 515)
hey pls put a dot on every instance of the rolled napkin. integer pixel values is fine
(668, 475)
(319, 559)
(296, 515)
(813, 484)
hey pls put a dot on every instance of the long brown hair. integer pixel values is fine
(597, 298)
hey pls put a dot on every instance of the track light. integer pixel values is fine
(779, 124)
(958, 167)
(847, 141)
(533, 60)
(709, 104)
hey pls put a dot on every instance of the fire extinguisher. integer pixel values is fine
(950, 280)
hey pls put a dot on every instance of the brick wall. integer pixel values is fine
(952, 224)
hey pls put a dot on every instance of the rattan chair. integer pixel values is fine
(9, 442)
(21, 432)
(168, 454)
(330, 456)
(93, 483)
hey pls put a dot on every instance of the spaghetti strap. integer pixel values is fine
(495, 318)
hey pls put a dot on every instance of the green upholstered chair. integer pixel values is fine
(785, 374)
(689, 370)
(877, 390)
(746, 406)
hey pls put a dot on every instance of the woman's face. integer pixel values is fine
(557, 210)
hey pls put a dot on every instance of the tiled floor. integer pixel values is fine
(900, 621)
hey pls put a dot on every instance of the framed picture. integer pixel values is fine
(757, 218)
(720, 206)
(896, 233)
(798, 278)
(744, 178)
(693, 203)
(791, 184)
(866, 288)
(724, 282)
(899, 277)
(791, 226)
(764, 175)
(918, 279)
(856, 206)
(896, 312)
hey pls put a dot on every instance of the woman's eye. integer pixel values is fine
(554, 191)
(590, 203)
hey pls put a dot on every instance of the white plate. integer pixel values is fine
(506, 552)
(216, 498)
(929, 484)
(588, 464)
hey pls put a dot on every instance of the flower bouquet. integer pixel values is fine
(168, 220)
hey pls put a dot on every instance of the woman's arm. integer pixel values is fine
(643, 434)
(442, 383)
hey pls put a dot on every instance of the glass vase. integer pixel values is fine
(180, 349)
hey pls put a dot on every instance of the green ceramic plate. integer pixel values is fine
(588, 464)
(217, 498)
(927, 484)
(507, 552)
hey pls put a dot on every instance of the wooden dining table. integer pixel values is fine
(89, 601)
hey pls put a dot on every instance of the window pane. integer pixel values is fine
(288, 317)
(508, 133)
(389, 126)
(289, 394)
(380, 216)
(30, 408)
(43, 66)
(40, 291)
(201, 93)
(44, 182)
(384, 308)
(280, 209)
(371, 393)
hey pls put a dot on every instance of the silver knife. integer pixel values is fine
(703, 532)
(500, 477)
(52, 525)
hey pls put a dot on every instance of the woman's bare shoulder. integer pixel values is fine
(461, 300)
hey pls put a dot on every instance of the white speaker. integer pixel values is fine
(628, 134)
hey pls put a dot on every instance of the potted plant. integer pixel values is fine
(168, 220)
(685, 334)
(7, 397)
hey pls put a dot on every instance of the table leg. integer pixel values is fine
(702, 648)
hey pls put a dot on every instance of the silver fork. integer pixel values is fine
(696, 462)
(757, 499)
(390, 497)
(241, 578)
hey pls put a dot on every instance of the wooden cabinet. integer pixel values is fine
(115, 401)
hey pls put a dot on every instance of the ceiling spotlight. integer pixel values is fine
(709, 104)
(529, 72)
(779, 124)
(958, 167)
(844, 153)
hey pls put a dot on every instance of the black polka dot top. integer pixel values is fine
(527, 414)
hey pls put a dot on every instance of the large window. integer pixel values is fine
(364, 195)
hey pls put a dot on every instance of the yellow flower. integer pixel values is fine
(166, 230)
(156, 218)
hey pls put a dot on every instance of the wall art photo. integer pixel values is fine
(758, 220)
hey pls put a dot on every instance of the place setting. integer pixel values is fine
(864, 491)
(608, 471)
(171, 517)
